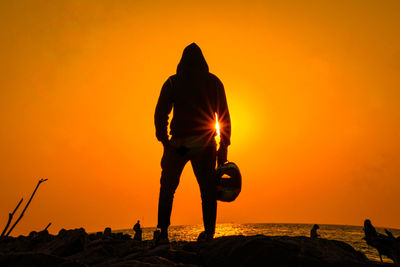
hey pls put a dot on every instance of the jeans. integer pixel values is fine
(203, 163)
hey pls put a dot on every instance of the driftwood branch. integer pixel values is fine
(26, 206)
(10, 217)
(47, 226)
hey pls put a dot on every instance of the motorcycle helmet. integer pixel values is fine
(229, 182)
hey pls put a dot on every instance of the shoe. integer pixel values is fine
(204, 237)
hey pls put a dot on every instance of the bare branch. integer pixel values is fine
(47, 226)
(26, 206)
(10, 216)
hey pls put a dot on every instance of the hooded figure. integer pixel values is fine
(196, 97)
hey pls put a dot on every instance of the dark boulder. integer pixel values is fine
(36, 259)
(107, 233)
(76, 248)
(66, 243)
(280, 251)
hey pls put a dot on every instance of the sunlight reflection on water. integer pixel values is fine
(350, 234)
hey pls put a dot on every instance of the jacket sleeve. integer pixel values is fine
(163, 109)
(223, 116)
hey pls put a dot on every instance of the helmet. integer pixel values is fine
(229, 182)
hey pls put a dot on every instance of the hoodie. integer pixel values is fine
(195, 96)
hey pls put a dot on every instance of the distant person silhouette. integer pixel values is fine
(369, 229)
(196, 96)
(313, 232)
(138, 231)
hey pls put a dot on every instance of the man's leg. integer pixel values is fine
(172, 165)
(204, 169)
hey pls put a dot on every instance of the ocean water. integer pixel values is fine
(350, 234)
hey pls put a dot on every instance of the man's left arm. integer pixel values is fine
(225, 125)
(163, 109)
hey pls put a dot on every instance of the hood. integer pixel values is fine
(192, 60)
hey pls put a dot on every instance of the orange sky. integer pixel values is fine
(313, 91)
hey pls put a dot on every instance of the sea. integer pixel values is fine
(352, 235)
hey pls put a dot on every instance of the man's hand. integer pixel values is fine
(222, 155)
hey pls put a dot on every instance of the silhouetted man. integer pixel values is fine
(196, 97)
(138, 231)
(313, 232)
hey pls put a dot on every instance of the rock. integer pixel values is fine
(30, 243)
(157, 261)
(76, 248)
(61, 232)
(174, 254)
(67, 243)
(107, 232)
(36, 259)
(44, 236)
(99, 235)
(105, 250)
(32, 234)
(280, 251)
(95, 236)
(126, 237)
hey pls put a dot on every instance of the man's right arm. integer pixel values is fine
(163, 109)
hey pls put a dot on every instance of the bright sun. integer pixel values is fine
(218, 136)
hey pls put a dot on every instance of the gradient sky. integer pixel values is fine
(312, 87)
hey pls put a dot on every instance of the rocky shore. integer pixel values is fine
(77, 248)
